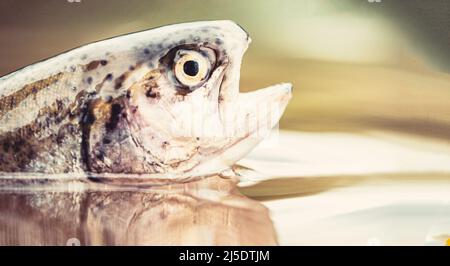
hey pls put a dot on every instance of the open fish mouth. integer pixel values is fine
(257, 112)
(247, 122)
(239, 126)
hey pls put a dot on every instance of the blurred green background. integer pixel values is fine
(357, 65)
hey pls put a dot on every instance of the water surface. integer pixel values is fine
(209, 211)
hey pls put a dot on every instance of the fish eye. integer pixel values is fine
(191, 67)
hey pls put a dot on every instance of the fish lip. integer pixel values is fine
(242, 145)
(277, 96)
(249, 40)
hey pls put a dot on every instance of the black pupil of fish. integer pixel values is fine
(191, 68)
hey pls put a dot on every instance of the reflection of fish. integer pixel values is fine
(160, 101)
(208, 211)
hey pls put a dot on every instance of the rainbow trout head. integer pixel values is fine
(162, 101)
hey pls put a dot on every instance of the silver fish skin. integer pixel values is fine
(162, 101)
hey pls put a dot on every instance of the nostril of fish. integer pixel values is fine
(151, 94)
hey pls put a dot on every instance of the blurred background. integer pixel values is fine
(356, 65)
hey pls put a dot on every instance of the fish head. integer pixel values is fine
(183, 107)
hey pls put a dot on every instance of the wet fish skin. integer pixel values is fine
(114, 106)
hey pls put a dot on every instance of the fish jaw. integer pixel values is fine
(245, 123)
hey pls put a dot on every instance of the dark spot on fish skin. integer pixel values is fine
(119, 81)
(87, 119)
(31, 153)
(182, 91)
(218, 41)
(60, 136)
(100, 155)
(108, 99)
(59, 105)
(92, 65)
(146, 51)
(71, 128)
(106, 141)
(89, 80)
(109, 76)
(13, 102)
(128, 95)
(116, 110)
(131, 68)
(151, 94)
(17, 145)
(48, 121)
(5, 146)
(91, 94)
(165, 144)
(197, 138)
